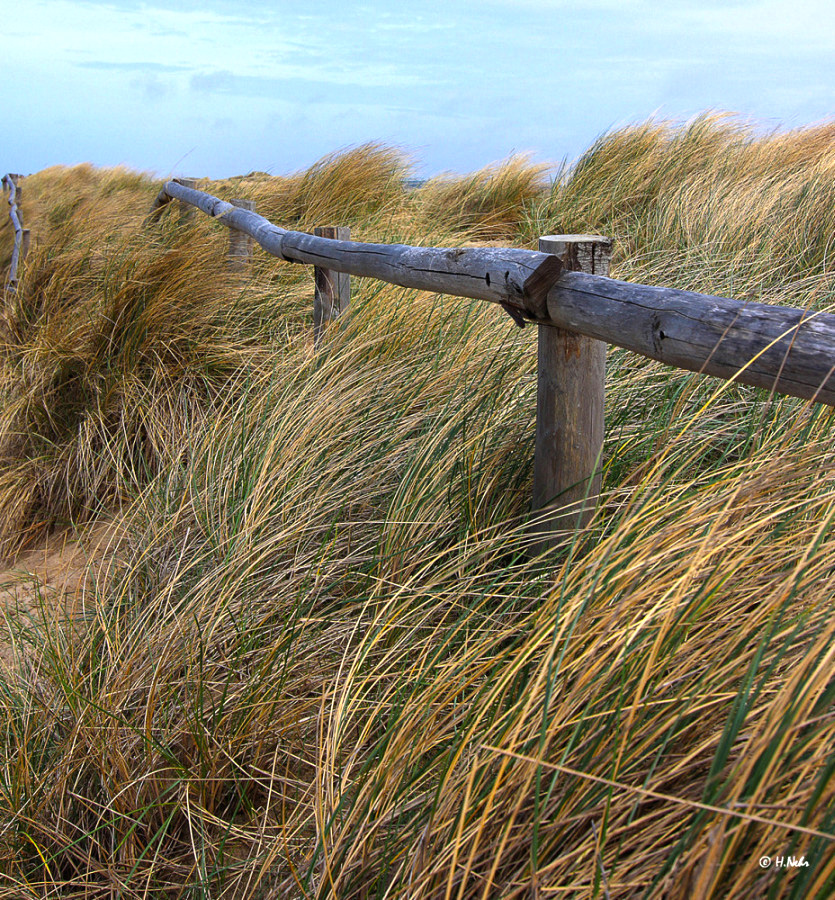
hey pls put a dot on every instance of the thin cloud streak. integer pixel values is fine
(130, 66)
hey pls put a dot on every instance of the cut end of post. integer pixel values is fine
(589, 253)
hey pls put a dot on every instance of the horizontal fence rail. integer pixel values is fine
(790, 351)
(515, 279)
(565, 290)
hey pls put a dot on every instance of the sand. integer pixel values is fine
(51, 582)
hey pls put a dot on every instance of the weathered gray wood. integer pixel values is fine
(789, 350)
(332, 293)
(571, 384)
(10, 182)
(186, 209)
(517, 279)
(17, 198)
(240, 242)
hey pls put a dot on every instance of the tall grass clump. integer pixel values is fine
(712, 204)
(116, 342)
(488, 204)
(322, 661)
(351, 187)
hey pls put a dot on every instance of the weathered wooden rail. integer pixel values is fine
(565, 290)
(790, 351)
(21, 239)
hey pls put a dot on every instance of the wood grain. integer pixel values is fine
(517, 278)
(18, 250)
(791, 351)
(571, 384)
(332, 293)
(240, 242)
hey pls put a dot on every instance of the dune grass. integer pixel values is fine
(322, 661)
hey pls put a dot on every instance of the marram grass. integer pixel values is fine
(321, 661)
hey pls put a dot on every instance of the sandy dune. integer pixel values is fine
(51, 580)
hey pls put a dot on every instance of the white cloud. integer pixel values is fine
(461, 78)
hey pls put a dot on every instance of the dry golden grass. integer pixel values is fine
(353, 187)
(710, 204)
(486, 204)
(322, 661)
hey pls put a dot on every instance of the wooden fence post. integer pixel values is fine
(22, 235)
(186, 209)
(18, 198)
(571, 382)
(332, 289)
(240, 243)
(25, 234)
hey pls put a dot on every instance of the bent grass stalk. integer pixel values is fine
(319, 660)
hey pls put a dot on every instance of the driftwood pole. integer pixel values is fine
(332, 289)
(25, 234)
(776, 347)
(571, 380)
(240, 243)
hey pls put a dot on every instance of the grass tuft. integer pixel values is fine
(319, 659)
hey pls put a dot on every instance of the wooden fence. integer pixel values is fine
(21, 234)
(564, 289)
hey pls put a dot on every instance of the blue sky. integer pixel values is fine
(217, 88)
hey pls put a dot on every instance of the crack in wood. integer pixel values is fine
(644, 319)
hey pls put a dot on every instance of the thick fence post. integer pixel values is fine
(333, 289)
(571, 380)
(240, 243)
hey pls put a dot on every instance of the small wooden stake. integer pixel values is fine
(240, 243)
(21, 240)
(186, 209)
(333, 289)
(571, 381)
(18, 200)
